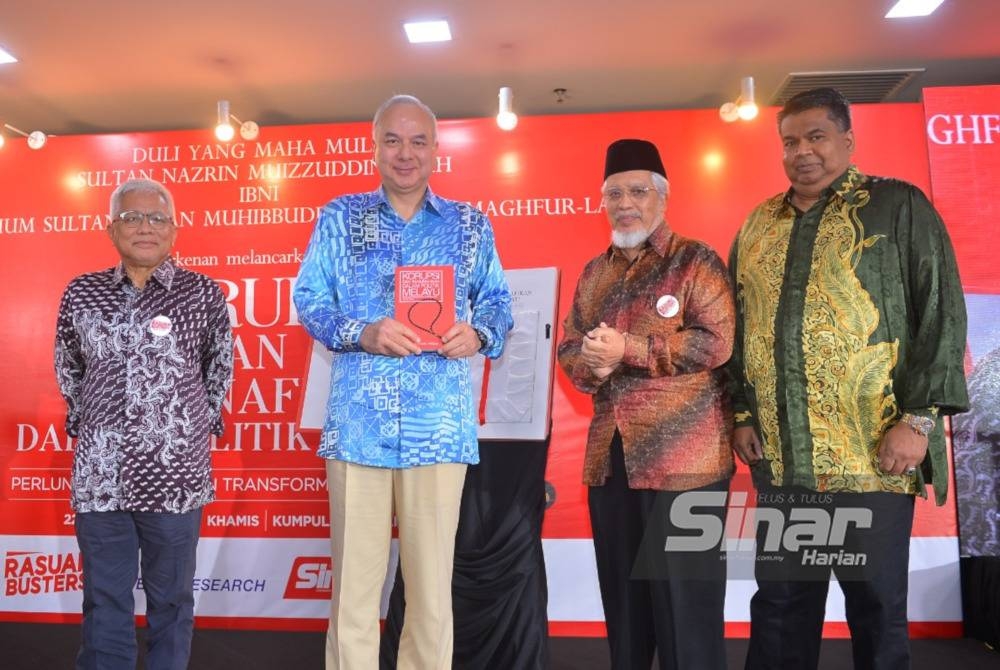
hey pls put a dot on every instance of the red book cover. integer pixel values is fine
(425, 301)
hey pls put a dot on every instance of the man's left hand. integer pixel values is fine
(461, 341)
(901, 449)
(603, 347)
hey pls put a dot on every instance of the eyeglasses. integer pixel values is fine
(133, 219)
(636, 194)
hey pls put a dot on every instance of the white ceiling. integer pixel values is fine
(129, 65)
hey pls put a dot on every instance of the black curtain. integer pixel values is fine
(981, 598)
(498, 588)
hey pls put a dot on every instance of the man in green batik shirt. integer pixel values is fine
(850, 339)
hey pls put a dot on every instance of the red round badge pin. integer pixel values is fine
(667, 306)
(160, 325)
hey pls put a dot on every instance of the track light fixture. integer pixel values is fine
(506, 118)
(224, 130)
(744, 107)
(36, 138)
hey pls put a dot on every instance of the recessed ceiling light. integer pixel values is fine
(906, 8)
(427, 31)
(6, 57)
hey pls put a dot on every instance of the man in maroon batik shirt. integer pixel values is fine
(650, 326)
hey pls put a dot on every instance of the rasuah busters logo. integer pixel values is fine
(32, 572)
(311, 578)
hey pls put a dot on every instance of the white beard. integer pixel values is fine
(624, 240)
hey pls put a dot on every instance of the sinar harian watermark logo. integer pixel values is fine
(311, 578)
(799, 524)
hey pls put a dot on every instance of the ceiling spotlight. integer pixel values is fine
(744, 107)
(506, 118)
(36, 138)
(907, 8)
(418, 32)
(224, 130)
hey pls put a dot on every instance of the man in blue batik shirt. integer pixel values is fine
(400, 427)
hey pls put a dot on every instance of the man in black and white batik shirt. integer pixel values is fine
(144, 358)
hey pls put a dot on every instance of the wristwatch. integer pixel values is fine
(481, 334)
(921, 425)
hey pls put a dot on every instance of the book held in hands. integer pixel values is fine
(425, 301)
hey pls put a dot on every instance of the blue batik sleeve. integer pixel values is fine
(315, 293)
(490, 295)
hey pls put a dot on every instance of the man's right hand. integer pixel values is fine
(747, 446)
(388, 337)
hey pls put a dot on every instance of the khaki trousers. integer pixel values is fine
(426, 503)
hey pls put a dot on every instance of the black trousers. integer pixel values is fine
(678, 612)
(871, 566)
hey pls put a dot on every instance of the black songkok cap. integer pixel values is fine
(625, 155)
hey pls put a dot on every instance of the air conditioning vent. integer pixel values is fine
(857, 86)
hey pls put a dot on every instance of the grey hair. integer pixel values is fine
(660, 183)
(402, 99)
(140, 186)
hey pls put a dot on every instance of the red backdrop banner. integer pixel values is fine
(963, 140)
(245, 212)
